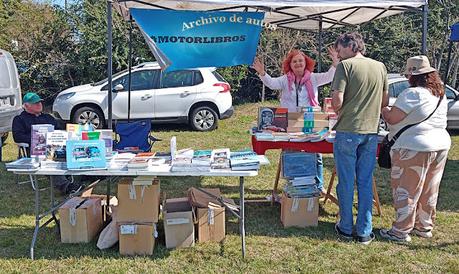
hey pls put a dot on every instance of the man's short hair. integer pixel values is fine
(353, 39)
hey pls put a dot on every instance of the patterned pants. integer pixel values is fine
(415, 180)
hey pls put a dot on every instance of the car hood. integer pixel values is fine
(81, 88)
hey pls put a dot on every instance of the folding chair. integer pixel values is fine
(134, 134)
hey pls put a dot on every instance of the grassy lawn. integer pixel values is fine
(270, 247)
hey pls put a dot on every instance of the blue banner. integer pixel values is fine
(190, 39)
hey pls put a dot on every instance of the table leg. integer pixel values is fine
(37, 215)
(109, 181)
(376, 198)
(276, 182)
(53, 214)
(242, 214)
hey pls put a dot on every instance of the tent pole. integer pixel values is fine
(109, 61)
(319, 63)
(130, 68)
(425, 11)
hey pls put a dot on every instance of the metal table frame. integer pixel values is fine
(111, 176)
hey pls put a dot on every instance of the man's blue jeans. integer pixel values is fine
(355, 158)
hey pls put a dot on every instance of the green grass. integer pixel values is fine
(270, 247)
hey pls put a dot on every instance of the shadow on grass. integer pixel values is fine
(15, 244)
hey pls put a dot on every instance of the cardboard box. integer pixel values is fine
(300, 116)
(299, 212)
(178, 223)
(137, 239)
(211, 224)
(103, 201)
(302, 129)
(80, 220)
(138, 203)
(301, 123)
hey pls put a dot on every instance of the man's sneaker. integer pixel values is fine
(389, 235)
(342, 235)
(422, 233)
(365, 240)
(73, 188)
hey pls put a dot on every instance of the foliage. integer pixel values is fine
(57, 48)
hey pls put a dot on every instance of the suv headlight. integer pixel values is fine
(64, 97)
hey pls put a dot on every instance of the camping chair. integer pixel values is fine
(134, 134)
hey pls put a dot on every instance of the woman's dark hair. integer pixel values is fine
(430, 81)
(353, 39)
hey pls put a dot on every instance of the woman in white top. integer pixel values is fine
(419, 155)
(299, 86)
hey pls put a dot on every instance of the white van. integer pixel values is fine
(10, 93)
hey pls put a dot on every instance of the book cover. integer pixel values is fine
(107, 136)
(202, 157)
(56, 145)
(275, 119)
(86, 154)
(220, 158)
(38, 139)
(298, 164)
(74, 131)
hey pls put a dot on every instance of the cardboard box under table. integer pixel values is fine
(178, 223)
(80, 219)
(138, 203)
(137, 239)
(210, 216)
(299, 212)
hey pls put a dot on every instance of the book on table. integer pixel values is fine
(56, 142)
(220, 158)
(244, 160)
(24, 163)
(38, 139)
(86, 154)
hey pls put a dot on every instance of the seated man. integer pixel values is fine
(22, 126)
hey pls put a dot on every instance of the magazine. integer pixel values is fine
(86, 154)
(220, 158)
(38, 139)
(24, 163)
(274, 119)
(56, 144)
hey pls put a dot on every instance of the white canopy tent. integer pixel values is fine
(293, 14)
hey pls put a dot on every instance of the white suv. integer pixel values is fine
(197, 96)
(10, 93)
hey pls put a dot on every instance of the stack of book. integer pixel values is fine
(302, 187)
(201, 159)
(244, 160)
(119, 161)
(220, 158)
(184, 162)
(300, 168)
(24, 163)
(140, 161)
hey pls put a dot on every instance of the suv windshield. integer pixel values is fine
(106, 79)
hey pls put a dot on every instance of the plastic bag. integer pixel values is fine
(109, 235)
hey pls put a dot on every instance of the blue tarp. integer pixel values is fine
(190, 39)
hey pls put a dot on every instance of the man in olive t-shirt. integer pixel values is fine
(359, 92)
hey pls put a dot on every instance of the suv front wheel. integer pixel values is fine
(87, 114)
(203, 118)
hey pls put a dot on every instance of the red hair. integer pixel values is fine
(430, 81)
(310, 63)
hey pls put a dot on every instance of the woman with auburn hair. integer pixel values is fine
(299, 86)
(419, 155)
(299, 83)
